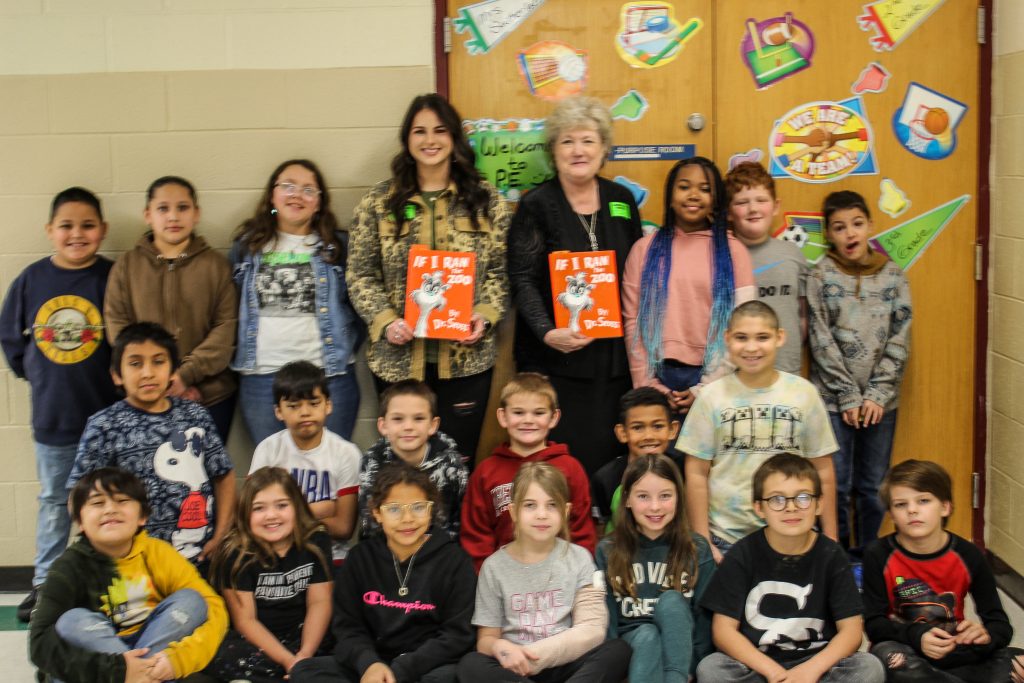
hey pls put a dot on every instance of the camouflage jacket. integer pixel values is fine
(377, 259)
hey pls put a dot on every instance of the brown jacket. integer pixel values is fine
(193, 296)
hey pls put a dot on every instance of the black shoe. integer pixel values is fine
(27, 605)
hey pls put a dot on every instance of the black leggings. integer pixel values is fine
(606, 663)
(904, 665)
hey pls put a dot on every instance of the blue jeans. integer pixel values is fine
(53, 467)
(256, 396)
(861, 463)
(663, 651)
(860, 667)
(177, 616)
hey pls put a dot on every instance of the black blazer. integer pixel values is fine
(543, 223)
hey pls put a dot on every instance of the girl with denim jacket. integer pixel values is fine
(289, 264)
(436, 198)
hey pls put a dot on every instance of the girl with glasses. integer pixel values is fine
(404, 596)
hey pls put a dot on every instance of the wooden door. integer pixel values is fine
(818, 56)
(940, 54)
(652, 101)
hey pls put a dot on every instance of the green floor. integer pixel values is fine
(9, 620)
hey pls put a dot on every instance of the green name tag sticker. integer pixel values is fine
(619, 210)
(410, 211)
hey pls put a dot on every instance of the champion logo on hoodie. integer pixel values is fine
(381, 600)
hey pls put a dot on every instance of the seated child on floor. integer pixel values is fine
(119, 605)
(404, 596)
(657, 570)
(784, 597)
(915, 582)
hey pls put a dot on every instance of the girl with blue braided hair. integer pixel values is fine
(680, 284)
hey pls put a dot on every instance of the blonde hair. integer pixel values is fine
(551, 481)
(574, 113)
(529, 383)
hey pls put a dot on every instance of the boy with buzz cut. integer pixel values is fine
(169, 443)
(323, 464)
(915, 582)
(119, 605)
(740, 420)
(780, 268)
(785, 604)
(647, 426)
(409, 432)
(528, 412)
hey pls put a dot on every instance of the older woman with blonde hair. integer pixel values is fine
(577, 210)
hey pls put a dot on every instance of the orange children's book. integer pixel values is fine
(585, 290)
(439, 293)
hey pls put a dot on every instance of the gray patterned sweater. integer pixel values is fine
(859, 334)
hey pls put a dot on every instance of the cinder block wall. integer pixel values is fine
(1005, 520)
(110, 94)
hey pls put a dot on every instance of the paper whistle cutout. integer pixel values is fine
(906, 242)
(776, 48)
(926, 123)
(490, 21)
(874, 78)
(892, 201)
(753, 155)
(894, 20)
(553, 70)
(807, 231)
(631, 106)
(649, 36)
(638, 191)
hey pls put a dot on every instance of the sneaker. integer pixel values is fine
(27, 605)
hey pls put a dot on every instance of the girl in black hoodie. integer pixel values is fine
(404, 597)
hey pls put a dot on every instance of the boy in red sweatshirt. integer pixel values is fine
(528, 411)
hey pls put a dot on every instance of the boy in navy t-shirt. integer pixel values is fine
(169, 443)
(51, 329)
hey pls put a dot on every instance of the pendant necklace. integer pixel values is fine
(402, 581)
(590, 229)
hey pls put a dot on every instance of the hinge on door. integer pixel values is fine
(979, 260)
(447, 35)
(981, 25)
(975, 490)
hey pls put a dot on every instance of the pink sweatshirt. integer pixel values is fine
(688, 309)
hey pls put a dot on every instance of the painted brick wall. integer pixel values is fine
(1005, 521)
(110, 94)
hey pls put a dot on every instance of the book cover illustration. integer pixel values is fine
(439, 293)
(585, 292)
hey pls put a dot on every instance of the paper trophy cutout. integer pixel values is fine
(631, 106)
(906, 242)
(892, 201)
(874, 78)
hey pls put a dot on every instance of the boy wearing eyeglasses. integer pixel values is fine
(786, 607)
(740, 420)
(323, 464)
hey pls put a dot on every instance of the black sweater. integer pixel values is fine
(543, 223)
(414, 633)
